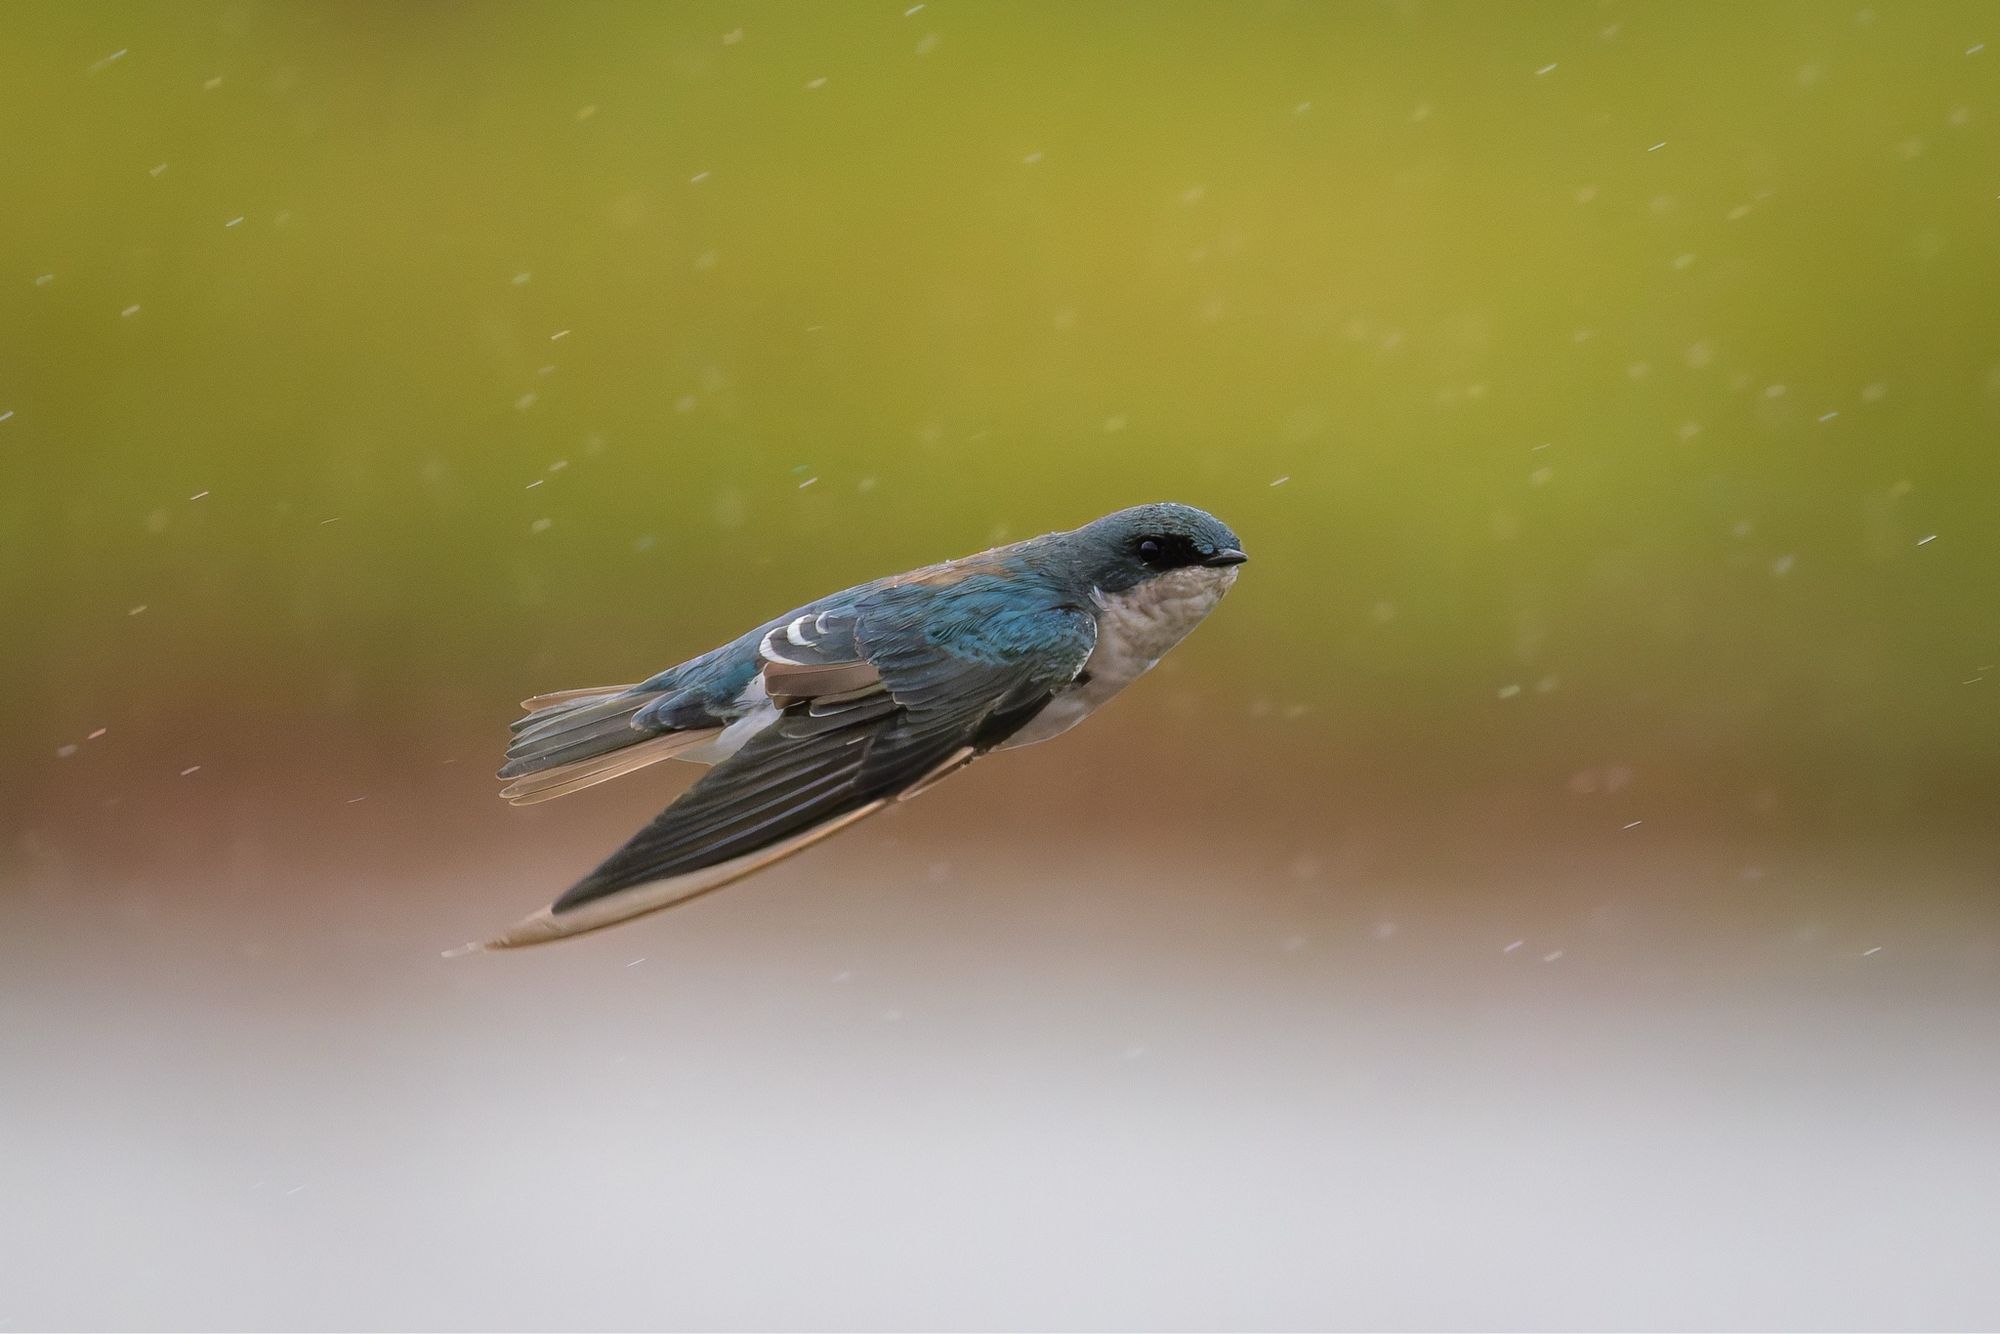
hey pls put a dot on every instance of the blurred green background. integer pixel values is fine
(1608, 395)
(1627, 356)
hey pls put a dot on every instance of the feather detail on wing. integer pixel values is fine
(855, 728)
(814, 655)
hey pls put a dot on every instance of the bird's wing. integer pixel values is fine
(870, 706)
(573, 739)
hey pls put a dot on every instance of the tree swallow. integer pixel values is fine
(864, 698)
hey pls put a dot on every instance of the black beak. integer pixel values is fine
(1226, 556)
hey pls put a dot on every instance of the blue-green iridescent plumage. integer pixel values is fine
(823, 715)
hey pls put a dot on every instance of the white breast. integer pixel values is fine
(1134, 630)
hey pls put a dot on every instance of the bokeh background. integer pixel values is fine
(1557, 890)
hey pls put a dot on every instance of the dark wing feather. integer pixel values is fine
(797, 773)
(832, 758)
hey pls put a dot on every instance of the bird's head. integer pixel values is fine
(1137, 545)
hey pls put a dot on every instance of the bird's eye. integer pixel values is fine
(1151, 550)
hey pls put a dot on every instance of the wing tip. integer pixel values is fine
(556, 922)
(531, 930)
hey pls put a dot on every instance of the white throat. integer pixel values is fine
(1135, 629)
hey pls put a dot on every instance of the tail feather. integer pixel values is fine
(624, 700)
(540, 703)
(563, 779)
(580, 741)
(573, 739)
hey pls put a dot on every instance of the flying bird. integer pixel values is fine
(864, 698)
